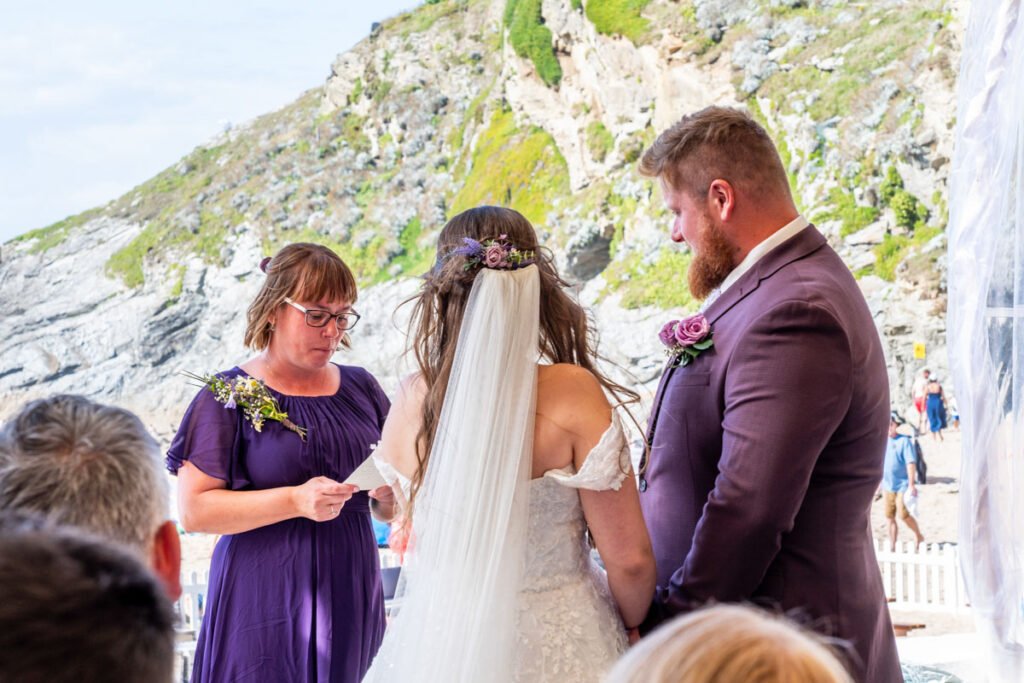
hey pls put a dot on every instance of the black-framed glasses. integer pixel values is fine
(316, 317)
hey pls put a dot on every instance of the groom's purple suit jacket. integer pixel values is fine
(767, 450)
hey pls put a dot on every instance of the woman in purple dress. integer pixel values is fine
(295, 592)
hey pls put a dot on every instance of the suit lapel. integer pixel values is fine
(800, 245)
(665, 375)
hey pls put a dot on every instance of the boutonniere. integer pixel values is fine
(686, 339)
(251, 396)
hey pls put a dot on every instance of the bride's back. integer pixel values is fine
(572, 414)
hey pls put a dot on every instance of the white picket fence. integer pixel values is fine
(926, 580)
(192, 603)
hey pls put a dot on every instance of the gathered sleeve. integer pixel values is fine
(209, 438)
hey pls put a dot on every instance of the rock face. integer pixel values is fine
(435, 112)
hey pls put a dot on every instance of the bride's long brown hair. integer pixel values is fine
(566, 333)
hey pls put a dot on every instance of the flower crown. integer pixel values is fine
(496, 254)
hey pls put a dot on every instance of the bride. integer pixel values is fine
(507, 452)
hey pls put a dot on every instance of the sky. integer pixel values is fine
(96, 97)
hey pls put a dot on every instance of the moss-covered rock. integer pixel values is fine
(599, 140)
(531, 39)
(519, 168)
(619, 17)
(660, 281)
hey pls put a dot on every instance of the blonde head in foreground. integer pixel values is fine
(730, 644)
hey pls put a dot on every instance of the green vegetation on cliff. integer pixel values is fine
(173, 220)
(846, 67)
(187, 208)
(599, 140)
(660, 281)
(373, 168)
(416, 257)
(531, 39)
(514, 167)
(846, 210)
(52, 235)
(619, 17)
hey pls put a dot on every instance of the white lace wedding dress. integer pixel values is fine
(568, 628)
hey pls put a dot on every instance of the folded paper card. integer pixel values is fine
(367, 476)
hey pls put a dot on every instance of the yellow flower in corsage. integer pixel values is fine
(251, 396)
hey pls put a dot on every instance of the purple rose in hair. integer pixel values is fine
(494, 257)
(668, 333)
(691, 330)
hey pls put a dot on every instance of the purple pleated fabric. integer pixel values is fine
(298, 600)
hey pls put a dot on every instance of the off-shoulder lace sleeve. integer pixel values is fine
(605, 467)
(390, 474)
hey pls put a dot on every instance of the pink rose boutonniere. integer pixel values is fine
(686, 339)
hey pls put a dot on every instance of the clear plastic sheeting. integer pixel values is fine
(986, 323)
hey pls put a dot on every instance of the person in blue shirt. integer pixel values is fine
(899, 477)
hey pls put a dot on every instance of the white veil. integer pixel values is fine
(457, 620)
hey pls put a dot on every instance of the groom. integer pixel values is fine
(766, 448)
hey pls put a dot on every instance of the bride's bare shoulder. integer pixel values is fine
(412, 388)
(565, 375)
(570, 396)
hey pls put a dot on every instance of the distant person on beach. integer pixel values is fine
(94, 466)
(918, 394)
(727, 643)
(75, 608)
(935, 408)
(899, 480)
(295, 586)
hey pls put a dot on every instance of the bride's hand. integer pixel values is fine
(383, 495)
(382, 503)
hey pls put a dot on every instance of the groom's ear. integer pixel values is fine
(721, 199)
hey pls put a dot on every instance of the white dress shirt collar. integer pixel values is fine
(755, 255)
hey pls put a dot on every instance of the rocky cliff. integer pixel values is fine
(541, 105)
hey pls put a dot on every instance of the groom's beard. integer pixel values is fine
(712, 261)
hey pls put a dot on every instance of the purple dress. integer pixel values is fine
(296, 601)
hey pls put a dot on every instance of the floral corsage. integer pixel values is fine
(686, 339)
(499, 254)
(252, 396)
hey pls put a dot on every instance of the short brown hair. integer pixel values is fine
(76, 609)
(311, 272)
(730, 643)
(717, 142)
(85, 464)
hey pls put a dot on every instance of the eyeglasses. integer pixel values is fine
(316, 317)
